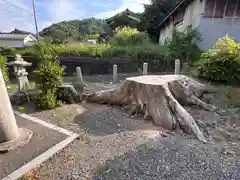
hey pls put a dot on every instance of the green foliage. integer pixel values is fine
(4, 51)
(154, 14)
(48, 100)
(21, 109)
(137, 52)
(221, 62)
(86, 50)
(49, 76)
(42, 51)
(4, 68)
(59, 32)
(185, 45)
(142, 52)
(127, 36)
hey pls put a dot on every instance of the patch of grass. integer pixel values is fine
(21, 109)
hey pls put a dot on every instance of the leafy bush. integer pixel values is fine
(222, 62)
(48, 100)
(4, 51)
(4, 68)
(127, 36)
(87, 50)
(136, 52)
(185, 45)
(49, 76)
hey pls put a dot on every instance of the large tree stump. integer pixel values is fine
(161, 98)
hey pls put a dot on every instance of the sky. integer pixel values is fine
(19, 13)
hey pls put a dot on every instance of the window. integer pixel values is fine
(219, 9)
(230, 9)
(238, 9)
(209, 7)
(222, 8)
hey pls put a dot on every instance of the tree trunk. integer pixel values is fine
(10, 135)
(8, 125)
(161, 98)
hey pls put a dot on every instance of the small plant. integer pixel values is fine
(185, 45)
(48, 100)
(21, 109)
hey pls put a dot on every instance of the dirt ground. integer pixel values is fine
(113, 145)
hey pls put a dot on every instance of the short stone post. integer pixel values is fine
(10, 135)
(185, 68)
(145, 69)
(177, 66)
(115, 74)
(80, 84)
(79, 74)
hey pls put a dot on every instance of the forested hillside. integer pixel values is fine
(153, 14)
(74, 29)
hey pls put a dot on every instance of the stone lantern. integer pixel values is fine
(19, 66)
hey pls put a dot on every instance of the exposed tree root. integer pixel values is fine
(161, 98)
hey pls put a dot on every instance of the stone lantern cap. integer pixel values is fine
(19, 61)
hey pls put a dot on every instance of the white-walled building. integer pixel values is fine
(17, 40)
(212, 18)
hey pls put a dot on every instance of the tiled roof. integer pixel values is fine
(180, 4)
(13, 36)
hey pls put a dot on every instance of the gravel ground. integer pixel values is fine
(115, 146)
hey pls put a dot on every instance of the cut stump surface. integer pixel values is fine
(160, 98)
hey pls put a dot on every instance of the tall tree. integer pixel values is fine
(154, 14)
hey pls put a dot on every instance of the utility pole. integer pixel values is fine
(35, 19)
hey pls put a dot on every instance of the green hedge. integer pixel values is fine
(222, 62)
(102, 50)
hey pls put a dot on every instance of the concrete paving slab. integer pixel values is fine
(44, 138)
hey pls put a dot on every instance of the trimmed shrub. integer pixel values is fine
(127, 36)
(4, 68)
(222, 62)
